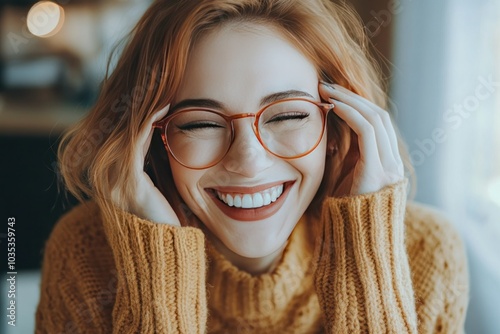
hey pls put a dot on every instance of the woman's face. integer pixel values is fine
(239, 67)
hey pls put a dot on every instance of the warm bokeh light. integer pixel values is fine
(494, 190)
(45, 19)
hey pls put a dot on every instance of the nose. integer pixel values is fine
(246, 157)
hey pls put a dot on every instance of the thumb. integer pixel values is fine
(160, 114)
(148, 130)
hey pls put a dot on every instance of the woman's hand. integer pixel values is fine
(379, 163)
(148, 202)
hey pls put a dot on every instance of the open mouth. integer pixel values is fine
(252, 201)
(251, 206)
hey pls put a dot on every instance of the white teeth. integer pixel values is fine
(267, 198)
(248, 201)
(228, 200)
(274, 195)
(258, 200)
(237, 201)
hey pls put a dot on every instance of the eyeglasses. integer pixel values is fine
(200, 138)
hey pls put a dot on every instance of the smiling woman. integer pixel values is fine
(273, 69)
(254, 184)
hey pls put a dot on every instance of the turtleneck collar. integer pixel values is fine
(234, 294)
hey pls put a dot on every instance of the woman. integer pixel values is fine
(244, 179)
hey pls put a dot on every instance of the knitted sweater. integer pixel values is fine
(378, 265)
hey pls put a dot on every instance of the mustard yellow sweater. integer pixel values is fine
(379, 265)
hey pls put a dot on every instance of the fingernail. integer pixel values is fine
(328, 85)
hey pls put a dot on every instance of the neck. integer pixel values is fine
(254, 266)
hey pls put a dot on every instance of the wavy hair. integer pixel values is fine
(97, 153)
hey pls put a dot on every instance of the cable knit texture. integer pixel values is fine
(377, 265)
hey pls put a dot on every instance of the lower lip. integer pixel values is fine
(249, 215)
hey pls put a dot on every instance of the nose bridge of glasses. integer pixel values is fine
(238, 116)
(241, 132)
(241, 116)
(246, 146)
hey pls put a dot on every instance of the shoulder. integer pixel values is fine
(78, 273)
(427, 226)
(80, 220)
(436, 256)
(78, 234)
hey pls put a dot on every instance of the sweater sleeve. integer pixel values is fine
(362, 277)
(158, 279)
(161, 277)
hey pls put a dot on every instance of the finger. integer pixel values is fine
(159, 114)
(381, 136)
(324, 90)
(367, 141)
(385, 152)
(385, 116)
(147, 134)
(327, 89)
(387, 143)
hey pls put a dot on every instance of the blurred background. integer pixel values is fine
(441, 61)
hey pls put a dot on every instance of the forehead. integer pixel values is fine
(247, 60)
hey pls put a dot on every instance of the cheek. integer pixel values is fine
(177, 173)
(185, 181)
(317, 158)
(312, 166)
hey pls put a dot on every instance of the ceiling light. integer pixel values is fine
(45, 19)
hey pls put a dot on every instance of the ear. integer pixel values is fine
(353, 154)
(331, 148)
(348, 163)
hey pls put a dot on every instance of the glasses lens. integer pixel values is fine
(198, 138)
(291, 128)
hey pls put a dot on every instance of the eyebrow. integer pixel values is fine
(213, 104)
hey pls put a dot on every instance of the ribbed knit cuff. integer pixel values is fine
(161, 276)
(363, 277)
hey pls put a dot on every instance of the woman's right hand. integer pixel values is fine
(148, 202)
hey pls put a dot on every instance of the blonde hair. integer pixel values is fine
(98, 153)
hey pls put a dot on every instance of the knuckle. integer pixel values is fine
(375, 119)
(367, 128)
(386, 118)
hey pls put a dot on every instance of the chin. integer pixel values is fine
(254, 248)
(256, 253)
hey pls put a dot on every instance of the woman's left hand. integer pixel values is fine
(379, 162)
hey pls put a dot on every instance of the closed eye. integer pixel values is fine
(288, 117)
(193, 126)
